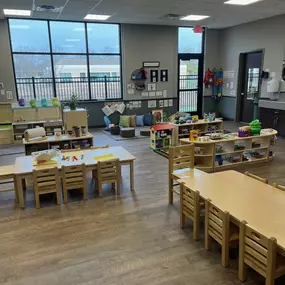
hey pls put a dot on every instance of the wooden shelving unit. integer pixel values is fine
(61, 142)
(182, 130)
(233, 151)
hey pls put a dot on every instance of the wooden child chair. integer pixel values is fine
(7, 177)
(181, 160)
(109, 171)
(46, 181)
(278, 186)
(219, 228)
(74, 177)
(260, 253)
(190, 207)
(264, 180)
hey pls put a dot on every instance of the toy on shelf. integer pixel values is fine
(217, 87)
(55, 102)
(194, 135)
(161, 135)
(244, 132)
(33, 103)
(22, 102)
(210, 117)
(255, 128)
(44, 102)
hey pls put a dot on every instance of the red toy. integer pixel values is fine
(209, 78)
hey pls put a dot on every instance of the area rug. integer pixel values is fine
(11, 149)
(119, 138)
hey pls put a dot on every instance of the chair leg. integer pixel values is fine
(225, 254)
(118, 187)
(196, 228)
(113, 186)
(65, 196)
(37, 198)
(242, 270)
(100, 189)
(170, 190)
(84, 189)
(58, 197)
(208, 242)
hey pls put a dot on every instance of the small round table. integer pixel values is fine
(145, 132)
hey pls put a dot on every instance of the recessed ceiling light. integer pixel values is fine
(96, 17)
(241, 2)
(73, 40)
(194, 18)
(14, 12)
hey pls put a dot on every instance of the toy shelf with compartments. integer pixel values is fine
(161, 136)
(214, 155)
(182, 130)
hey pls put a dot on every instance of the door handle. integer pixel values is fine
(242, 94)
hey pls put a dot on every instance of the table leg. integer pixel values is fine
(20, 191)
(16, 190)
(132, 176)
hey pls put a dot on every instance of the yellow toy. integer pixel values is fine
(194, 135)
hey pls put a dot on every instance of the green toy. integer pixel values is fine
(55, 102)
(33, 103)
(255, 128)
(44, 102)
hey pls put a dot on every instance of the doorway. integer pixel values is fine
(250, 69)
(190, 83)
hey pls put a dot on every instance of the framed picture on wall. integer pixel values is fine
(158, 114)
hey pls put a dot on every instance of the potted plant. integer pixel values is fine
(72, 102)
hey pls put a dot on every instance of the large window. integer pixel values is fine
(191, 60)
(58, 59)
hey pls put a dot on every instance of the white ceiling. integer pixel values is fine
(151, 11)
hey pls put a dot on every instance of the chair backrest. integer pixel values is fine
(217, 222)
(181, 157)
(46, 180)
(74, 177)
(278, 186)
(100, 147)
(264, 180)
(189, 201)
(257, 251)
(109, 171)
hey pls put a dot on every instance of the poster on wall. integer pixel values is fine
(154, 76)
(163, 75)
(151, 87)
(158, 114)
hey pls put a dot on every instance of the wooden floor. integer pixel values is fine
(131, 239)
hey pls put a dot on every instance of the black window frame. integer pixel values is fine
(87, 54)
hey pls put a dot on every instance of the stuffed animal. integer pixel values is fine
(44, 102)
(55, 102)
(22, 102)
(33, 103)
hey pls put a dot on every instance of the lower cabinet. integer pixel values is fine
(271, 118)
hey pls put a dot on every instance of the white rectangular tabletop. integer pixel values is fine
(24, 164)
(245, 198)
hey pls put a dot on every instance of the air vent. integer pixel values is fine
(171, 17)
(47, 8)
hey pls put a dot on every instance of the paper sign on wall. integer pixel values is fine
(160, 103)
(144, 94)
(151, 94)
(107, 110)
(2, 92)
(151, 87)
(170, 102)
(158, 93)
(121, 108)
(165, 103)
(151, 104)
(164, 93)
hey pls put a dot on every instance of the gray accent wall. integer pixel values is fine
(267, 34)
(150, 43)
(6, 66)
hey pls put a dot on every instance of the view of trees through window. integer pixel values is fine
(56, 58)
